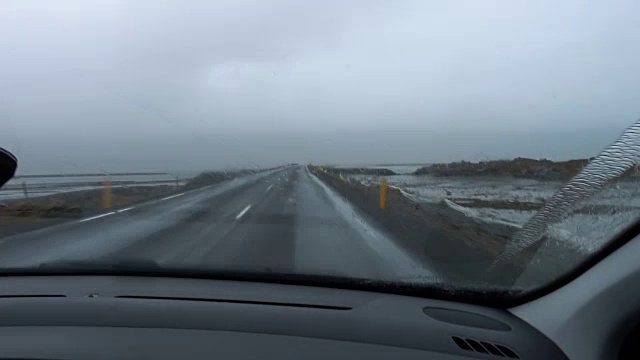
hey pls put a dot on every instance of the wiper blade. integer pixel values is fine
(612, 163)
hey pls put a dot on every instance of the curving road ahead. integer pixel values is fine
(284, 220)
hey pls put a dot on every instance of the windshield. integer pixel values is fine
(478, 148)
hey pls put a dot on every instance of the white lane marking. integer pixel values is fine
(123, 210)
(269, 188)
(171, 197)
(243, 212)
(98, 216)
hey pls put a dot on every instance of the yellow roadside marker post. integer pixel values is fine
(106, 194)
(383, 193)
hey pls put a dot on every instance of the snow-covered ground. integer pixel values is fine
(431, 188)
(514, 201)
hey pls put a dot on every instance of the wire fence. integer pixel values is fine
(30, 186)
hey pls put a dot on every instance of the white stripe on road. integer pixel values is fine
(269, 188)
(243, 212)
(98, 216)
(123, 210)
(172, 196)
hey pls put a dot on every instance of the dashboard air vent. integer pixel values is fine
(484, 347)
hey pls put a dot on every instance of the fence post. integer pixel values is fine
(24, 189)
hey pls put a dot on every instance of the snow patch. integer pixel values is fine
(585, 230)
(487, 215)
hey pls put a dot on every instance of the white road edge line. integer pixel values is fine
(123, 210)
(171, 197)
(378, 240)
(97, 216)
(244, 211)
(269, 188)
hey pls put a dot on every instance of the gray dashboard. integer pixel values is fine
(146, 317)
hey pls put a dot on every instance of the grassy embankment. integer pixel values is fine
(18, 216)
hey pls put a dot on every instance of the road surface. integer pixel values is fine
(284, 220)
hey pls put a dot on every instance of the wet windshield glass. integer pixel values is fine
(465, 146)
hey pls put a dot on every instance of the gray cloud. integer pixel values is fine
(167, 84)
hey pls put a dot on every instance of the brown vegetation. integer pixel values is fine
(17, 216)
(23, 215)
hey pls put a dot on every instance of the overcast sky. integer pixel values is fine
(187, 85)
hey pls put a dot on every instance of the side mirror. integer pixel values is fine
(8, 166)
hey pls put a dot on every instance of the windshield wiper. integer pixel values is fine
(612, 162)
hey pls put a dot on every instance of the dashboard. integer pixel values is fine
(68, 317)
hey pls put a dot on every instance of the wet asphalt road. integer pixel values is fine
(283, 221)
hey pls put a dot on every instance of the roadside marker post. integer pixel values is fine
(383, 193)
(106, 194)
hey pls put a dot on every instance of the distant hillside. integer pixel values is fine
(519, 168)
